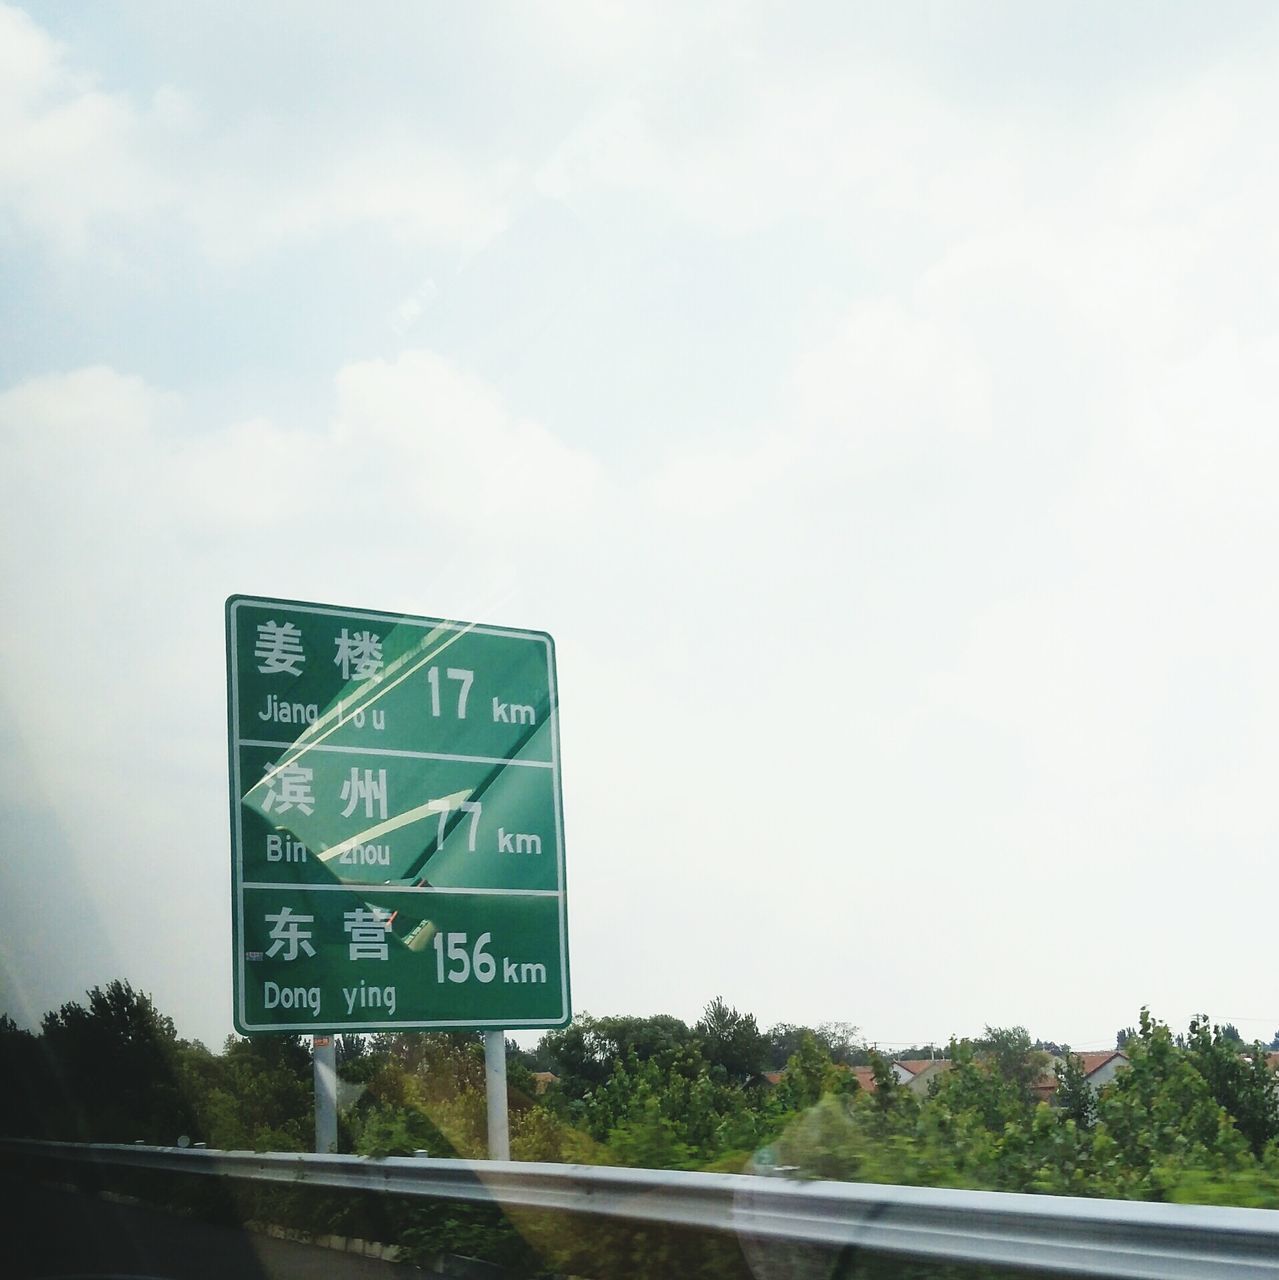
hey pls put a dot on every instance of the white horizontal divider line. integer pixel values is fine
(363, 886)
(411, 755)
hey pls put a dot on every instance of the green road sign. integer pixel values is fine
(397, 832)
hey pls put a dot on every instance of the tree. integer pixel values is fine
(994, 1078)
(914, 1053)
(842, 1040)
(732, 1041)
(1241, 1083)
(349, 1050)
(1011, 1054)
(889, 1091)
(1075, 1097)
(807, 1076)
(520, 1086)
(1158, 1117)
(113, 1069)
(838, 1040)
(257, 1095)
(21, 1071)
(584, 1053)
(649, 1139)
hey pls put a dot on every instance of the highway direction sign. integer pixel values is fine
(396, 823)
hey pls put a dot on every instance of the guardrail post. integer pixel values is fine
(324, 1057)
(495, 1088)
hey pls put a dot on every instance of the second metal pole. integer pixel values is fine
(495, 1088)
(324, 1056)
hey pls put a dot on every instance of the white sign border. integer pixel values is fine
(239, 884)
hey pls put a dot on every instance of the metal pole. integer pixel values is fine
(324, 1057)
(495, 1088)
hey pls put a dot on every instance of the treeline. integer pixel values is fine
(1193, 1117)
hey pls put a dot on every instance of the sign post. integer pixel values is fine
(325, 1067)
(396, 823)
(499, 1132)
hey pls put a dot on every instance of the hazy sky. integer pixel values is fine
(876, 402)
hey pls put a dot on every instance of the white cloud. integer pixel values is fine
(862, 148)
(264, 190)
(123, 530)
(712, 483)
(890, 370)
(1064, 689)
(78, 164)
(450, 446)
(440, 448)
(70, 153)
(973, 590)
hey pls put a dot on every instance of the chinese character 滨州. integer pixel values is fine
(287, 933)
(368, 929)
(279, 648)
(367, 788)
(361, 653)
(294, 783)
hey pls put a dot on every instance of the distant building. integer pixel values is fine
(924, 1072)
(918, 1074)
(1099, 1070)
(865, 1078)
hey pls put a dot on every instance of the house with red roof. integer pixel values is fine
(1100, 1069)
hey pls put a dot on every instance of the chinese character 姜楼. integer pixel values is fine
(360, 653)
(279, 648)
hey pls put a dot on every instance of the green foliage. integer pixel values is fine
(838, 1040)
(256, 1096)
(1074, 1095)
(1240, 1082)
(583, 1053)
(648, 1139)
(808, 1073)
(1194, 1117)
(113, 1070)
(993, 1079)
(732, 1042)
(22, 1071)
(1159, 1117)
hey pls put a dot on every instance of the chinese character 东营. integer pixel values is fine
(368, 929)
(287, 933)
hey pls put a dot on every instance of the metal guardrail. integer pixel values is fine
(1065, 1235)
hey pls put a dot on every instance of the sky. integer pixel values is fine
(874, 401)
